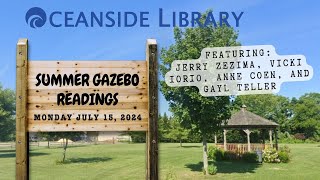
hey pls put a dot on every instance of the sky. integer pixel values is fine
(292, 27)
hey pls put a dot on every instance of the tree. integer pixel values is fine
(203, 115)
(296, 116)
(164, 127)
(137, 136)
(273, 107)
(7, 114)
(306, 115)
(49, 136)
(177, 132)
(66, 136)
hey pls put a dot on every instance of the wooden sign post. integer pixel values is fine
(152, 133)
(22, 141)
(86, 96)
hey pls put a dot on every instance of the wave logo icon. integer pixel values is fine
(36, 17)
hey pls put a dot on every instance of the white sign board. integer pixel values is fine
(239, 70)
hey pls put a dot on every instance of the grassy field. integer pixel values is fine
(127, 161)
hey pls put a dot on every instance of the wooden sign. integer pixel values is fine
(86, 96)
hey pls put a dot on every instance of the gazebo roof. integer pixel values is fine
(247, 119)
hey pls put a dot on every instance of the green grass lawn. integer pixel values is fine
(127, 161)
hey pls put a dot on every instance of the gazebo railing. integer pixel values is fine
(242, 148)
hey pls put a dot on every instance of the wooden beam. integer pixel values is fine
(225, 139)
(276, 137)
(248, 132)
(215, 139)
(22, 145)
(152, 136)
(270, 136)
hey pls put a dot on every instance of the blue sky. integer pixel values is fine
(291, 26)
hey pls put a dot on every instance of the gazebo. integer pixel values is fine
(247, 121)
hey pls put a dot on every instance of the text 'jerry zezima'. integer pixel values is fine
(238, 70)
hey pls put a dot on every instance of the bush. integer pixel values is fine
(311, 140)
(300, 136)
(212, 169)
(290, 141)
(284, 156)
(285, 149)
(230, 156)
(250, 157)
(285, 135)
(215, 153)
(211, 152)
(137, 136)
(270, 155)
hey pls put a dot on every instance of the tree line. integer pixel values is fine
(298, 119)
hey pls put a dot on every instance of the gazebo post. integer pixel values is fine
(225, 139)
(270, 136)
(215, 139)
(276, 138)
(247, 131)
(263, 138)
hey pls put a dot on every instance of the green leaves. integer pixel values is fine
(306, 116)
(293, 115)
(176, 131)
(205, 114)
(7, 112)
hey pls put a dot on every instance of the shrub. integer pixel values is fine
(250, 157)
(311, 140)
(291, 140)
(284, 156)
(215, 153)
(211, 151)
(300, 136)
(285, 149)
(219, 153)
(230, 156)
(285, 135)
(270, 155)
(212, 169)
